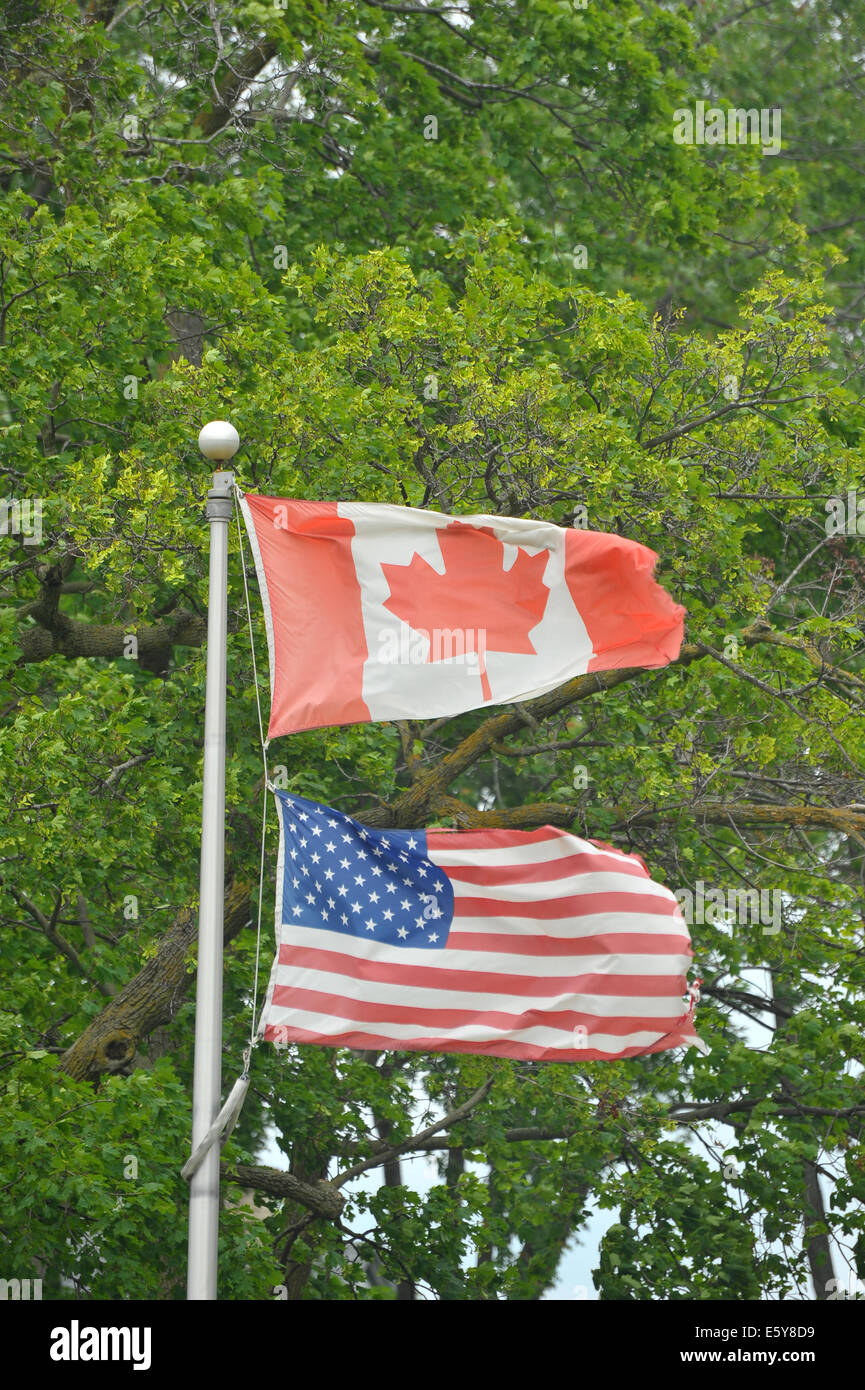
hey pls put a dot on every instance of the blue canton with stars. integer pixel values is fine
(345, 877)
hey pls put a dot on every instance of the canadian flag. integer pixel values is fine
(381, 612)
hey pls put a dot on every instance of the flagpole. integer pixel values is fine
(218, 441)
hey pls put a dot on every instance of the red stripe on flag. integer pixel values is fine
(479, 981)
(581, 905)
(446, 840)
(548, 869)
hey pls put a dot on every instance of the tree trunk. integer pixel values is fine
(818, 1247)
(152, 997)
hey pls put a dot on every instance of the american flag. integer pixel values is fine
(535, 945)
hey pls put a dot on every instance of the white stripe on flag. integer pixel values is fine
(410, 996)
(403, 1033)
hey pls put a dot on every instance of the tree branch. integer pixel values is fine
(58, 635)
(241, 73)
(392, 1151)
(49, 929)
(850, 820)
(427, 793)
(321, 1198)
(151, 998)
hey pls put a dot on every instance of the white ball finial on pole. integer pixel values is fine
(219, 440)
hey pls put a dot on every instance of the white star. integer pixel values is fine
(310, 897)
(405, 904)
(346, 839)
(344, 920)
(391, 887)
(378, 853)
(434, 936)
(293, 853)
(330, 846)
(343, 863)
(304, 870)
(331, 903)
(438, 885)
(373, 897)
(295, 883)
(407, 882)
(355, 907)
(324, 914)
(328, 873)
(363, 835)
(418, 922)
(303, 844)
(421, 868)
(361, 854)
(296, 911)
(342, 890)
(412, 843)
(316, 859)
(385, 841)
(402, 933)
(316, 830)
(388, 915)
(376, 868)
(370, 924)
(359, 879)
(332, 824)
(303, 816)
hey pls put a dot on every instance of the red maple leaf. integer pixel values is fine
(494, 609)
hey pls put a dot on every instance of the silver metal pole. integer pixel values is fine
(207, 1081)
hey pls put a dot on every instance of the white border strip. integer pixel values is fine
(277, 919)
(265, 598)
